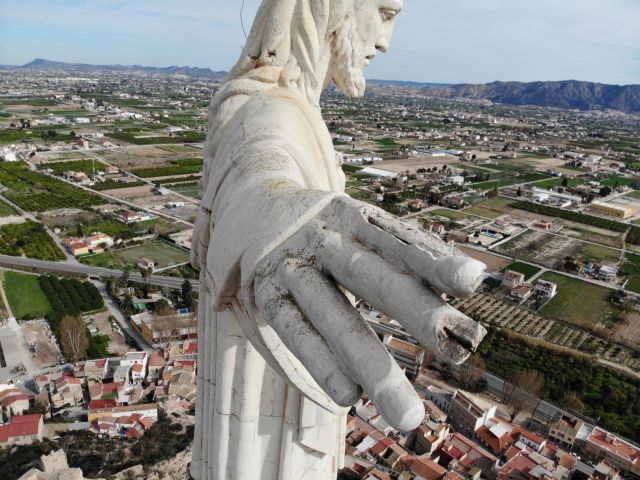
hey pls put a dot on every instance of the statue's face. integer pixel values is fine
(365, 31)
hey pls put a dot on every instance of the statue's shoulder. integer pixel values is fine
(280, 103)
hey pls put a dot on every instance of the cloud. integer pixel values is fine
(452, 41)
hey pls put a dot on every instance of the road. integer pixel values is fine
(29, 264)
(126, 327)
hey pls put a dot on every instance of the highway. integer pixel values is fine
(29, 264)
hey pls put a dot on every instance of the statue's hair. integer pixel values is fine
(283, 49)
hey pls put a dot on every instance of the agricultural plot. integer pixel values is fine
(139, 138)
(84, 166)
(6, 210)
(631, 267)
(492, 184)
(190, 189)
(28, 239)
(557, 181)
(165, 254)
(490, 208)
(184, 166)
(25, 296)
(499, 313)
(601, 236)
(580, 303)
(36, 192)
(550, 250)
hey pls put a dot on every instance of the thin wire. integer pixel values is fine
(241, 21)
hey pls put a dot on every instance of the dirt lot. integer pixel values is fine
(38, 334)
(131, 193)
(493, 262)
(117, 342)
(541, 248)
(144, 156)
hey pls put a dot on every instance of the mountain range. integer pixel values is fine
(568, 94)
(572, 94)
(43, 65)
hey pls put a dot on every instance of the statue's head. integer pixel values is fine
(316, 41)
(363, 32)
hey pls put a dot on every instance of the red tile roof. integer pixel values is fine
(21, 426)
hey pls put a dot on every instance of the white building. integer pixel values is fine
(79, 120)
(548, 289)
(454, 180)
(607, 273)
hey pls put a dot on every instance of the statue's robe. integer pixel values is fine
(270, 167)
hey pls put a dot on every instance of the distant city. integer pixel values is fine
(99, 172)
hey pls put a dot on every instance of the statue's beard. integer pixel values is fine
(347, 59)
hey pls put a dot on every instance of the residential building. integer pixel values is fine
(497, 434)
(408, 355)
(522, 292)
(466, 457)
(79, 248)
(607, 273)
(512, 279)
(440, 398)
(98, 239)
(21, 430)
(564, 430)
(467, 412)
(163, 329)
(545, 288)
(430, 437)
(604, 471)
(618, 453)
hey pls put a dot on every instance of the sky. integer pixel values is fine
(442, 41)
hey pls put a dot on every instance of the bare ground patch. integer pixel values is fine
(41, 341)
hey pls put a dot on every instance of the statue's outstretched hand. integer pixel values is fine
(393, 266)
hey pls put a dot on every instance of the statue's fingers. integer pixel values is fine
(305, 343)
(401, 295)
(442, 266)
(356, 345)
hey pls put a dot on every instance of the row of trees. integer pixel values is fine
(571, 379)
(69, 296)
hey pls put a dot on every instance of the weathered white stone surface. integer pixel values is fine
(54, 467)
(282, 351)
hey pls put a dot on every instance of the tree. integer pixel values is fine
(565, 182)
(73, 336)
(572, 401)
(124, 279)
(470, 372)
(605, 191)
(523, 391)
(187, 293)
(79, 230)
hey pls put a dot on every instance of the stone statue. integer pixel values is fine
(278, 245)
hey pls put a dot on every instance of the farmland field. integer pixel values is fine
(490, 208)
(579, 302)
(28, 239)
(163, 253)
(6, 210)
(36, 192)
(26, 298)
(189, 189)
